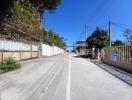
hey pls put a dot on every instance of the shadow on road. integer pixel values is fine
(83, 56)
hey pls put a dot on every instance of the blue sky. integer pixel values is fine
(71, 16)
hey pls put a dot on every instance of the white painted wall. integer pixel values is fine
(55, 50)
(46, 50)
(16, 46)
(51, 51)
(19, 46)
(17, 50)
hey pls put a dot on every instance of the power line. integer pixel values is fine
(81, 35)
(121, 26)
(99, 7)
(84, 32)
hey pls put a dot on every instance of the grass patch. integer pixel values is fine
(9, 64)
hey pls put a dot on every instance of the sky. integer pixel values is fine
(70, 17)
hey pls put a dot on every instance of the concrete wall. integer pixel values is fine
(124, 66)
(50, 50)
(18, 50)
(1, 58)
(14, 46)
(55, 50)
(18, 55)
(22, 51)
(46, 50)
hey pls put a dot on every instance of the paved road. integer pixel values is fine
(65, 77)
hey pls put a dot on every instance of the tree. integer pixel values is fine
(99, 38)
(53, 38)
(26, 15)
(21, 16)
(41, 5)
(49, 4)
(117, 43)
(128, 35)
(4, 7)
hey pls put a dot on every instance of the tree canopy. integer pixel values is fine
(49, 4)
(99, 38)
(40, 5)
(117, 43)
(128, 35)
(53, 38)
(23, 15)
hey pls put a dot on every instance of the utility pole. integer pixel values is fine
(85, 31)
(73, 47)
(109, 33)
(110, 39)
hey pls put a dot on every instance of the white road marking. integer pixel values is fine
(69, 81)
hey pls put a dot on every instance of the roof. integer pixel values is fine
(80, 42)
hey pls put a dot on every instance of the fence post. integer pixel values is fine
(20, 56)
(31, 51)
(2, 55)
(98, 54)
(110, 53)
(130, 60)
(93, 52)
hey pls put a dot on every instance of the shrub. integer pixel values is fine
(9, 64)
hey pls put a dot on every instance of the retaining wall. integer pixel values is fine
(50, 50)
(22, 51)
(18, 50)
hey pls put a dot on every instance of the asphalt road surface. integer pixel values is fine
(64, 77)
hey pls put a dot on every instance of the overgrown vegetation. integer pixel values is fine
(40, 5)
(22, 15)
(53, 38)
(8, 65)
(26, 15)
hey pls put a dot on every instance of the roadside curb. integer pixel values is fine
(120, 74)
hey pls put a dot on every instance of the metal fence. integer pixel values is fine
(119, 53)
